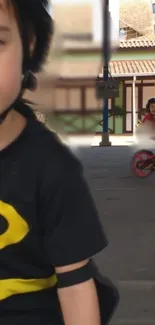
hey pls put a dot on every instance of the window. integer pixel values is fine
(91, 101)
(153, 7)
(67, 99)
(61, 99)
(74, 99)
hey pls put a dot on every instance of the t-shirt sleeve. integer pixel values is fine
(73, 231)
(147, 117)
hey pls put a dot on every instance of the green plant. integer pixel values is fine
(117, 111)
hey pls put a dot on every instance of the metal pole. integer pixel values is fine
(134, 104)
(106, 58)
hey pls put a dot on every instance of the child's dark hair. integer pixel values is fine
(150, 101)
(35, 23)
(36, 29)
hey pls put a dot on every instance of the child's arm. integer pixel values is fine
(79, 303)
(73, 235)
(144, 128)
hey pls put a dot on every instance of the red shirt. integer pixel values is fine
(148, 117)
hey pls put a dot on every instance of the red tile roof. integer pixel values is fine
(90, 69)
(139, 42)
(132, 67)
(118, 68)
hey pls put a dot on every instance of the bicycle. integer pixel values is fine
(143, 163)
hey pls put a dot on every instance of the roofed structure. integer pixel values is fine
(138, 15)
(76, 19)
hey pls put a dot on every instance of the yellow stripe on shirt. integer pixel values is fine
(11, 287)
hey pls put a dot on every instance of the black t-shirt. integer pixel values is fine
(47, 219)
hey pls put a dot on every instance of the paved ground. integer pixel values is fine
(127, 208)
(92, 140)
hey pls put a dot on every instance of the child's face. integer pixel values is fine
(152, 108)
(11, 56)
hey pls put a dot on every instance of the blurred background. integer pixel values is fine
(66, 98)
(75, 63)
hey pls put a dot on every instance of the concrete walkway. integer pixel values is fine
(127, 208)
(94, 140)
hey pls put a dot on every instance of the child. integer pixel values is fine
(49, 227)
(148, 123)
(150, 108)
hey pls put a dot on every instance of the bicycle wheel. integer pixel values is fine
(138, 163)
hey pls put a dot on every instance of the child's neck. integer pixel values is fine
(11, 128)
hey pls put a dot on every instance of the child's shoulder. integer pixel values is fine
(147, 117)
(51, 150)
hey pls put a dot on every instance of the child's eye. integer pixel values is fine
(2, 43)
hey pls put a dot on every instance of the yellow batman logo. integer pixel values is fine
(16, 231)
(17, 226)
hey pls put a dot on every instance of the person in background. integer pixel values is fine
(146, 127)
(150, 108)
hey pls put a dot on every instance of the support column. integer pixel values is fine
(134, 104)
